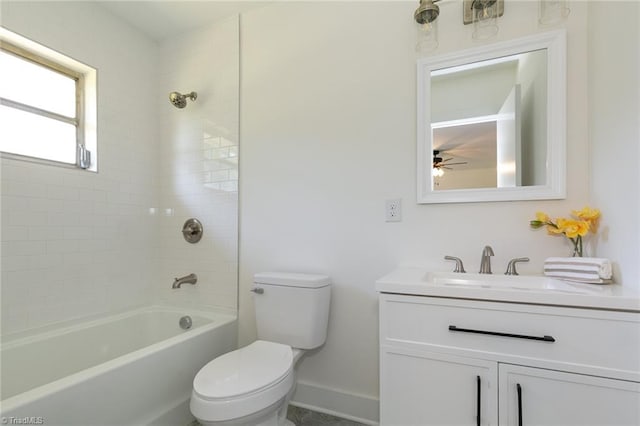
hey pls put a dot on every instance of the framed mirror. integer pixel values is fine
(492, 122)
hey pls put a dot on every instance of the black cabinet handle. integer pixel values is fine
(519, 389)
(478, 402)
(497, 333)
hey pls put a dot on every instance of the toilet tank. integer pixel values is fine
(292, 308)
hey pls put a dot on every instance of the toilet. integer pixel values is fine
(253, 385)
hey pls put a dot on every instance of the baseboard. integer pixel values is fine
(350, 406)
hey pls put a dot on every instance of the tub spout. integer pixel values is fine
(188, 279)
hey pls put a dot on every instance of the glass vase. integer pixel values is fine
(577, 246)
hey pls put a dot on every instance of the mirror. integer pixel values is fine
(491, 122)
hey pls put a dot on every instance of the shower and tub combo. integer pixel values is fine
(133, 367)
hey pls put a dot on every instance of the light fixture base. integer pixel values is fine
(467, 10)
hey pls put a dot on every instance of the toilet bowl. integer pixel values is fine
(252, 385)
(245, 387)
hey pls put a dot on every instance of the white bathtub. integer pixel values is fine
(134, 368)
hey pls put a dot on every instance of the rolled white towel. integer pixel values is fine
(592, 266)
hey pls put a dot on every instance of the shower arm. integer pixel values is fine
(193, 96)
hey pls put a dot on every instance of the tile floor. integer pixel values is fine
(304, 417)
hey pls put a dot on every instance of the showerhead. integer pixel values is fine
(179, 100)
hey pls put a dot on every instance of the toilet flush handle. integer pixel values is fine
(257, 290)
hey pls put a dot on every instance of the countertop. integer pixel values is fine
(514, 289)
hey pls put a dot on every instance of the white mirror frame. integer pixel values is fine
(555, 188)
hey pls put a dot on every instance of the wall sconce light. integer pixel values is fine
(551, 12)
(426, 16)
(483, 14)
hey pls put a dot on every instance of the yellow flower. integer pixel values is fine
(541, 220)
(554, 228)
(573, 228)
(590, 215)
(587, 213)
(542, 217)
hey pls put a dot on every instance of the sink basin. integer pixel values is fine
(509, 282)
(536, 289)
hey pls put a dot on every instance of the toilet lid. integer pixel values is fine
(244, 370)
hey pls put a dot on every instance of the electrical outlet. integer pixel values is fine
(393, 210)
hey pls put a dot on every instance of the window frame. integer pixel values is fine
(82, 75)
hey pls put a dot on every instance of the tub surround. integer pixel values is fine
(75, 243)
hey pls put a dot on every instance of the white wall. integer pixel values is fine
(471, 94)
(198, 169)
(328, 134)
(533, 81)
(614, 113)
(74, 242)
(461, 178)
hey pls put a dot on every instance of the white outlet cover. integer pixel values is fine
(393, 210)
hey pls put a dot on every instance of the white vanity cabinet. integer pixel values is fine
(447, 361)
(548, 397)
(423, 388)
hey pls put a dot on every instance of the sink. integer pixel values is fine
(536, 289)
(509, 282)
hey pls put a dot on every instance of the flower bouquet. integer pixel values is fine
(574, 228)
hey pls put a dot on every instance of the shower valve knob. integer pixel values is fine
(192, 230)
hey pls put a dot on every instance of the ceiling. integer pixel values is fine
(161, 19)
(473, 143)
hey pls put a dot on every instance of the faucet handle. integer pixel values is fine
(511, 267)
(459, 266)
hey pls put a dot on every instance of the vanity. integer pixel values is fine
(475, 349)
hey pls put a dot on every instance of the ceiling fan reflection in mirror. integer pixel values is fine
(439, 163)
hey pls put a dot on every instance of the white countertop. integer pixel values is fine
(515, 289)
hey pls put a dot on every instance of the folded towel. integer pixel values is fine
(590, 278)
(590, 267)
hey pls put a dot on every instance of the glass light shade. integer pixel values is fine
(552, 12)
(485, 20)
(437, 172)
(427, 37)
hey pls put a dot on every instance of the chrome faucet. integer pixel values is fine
(459, 266)
(187, 279)
(485, 262)
(511, 267)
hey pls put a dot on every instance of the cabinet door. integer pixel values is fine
(421, 388)
(534, 396)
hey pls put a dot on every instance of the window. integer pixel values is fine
(46, 111)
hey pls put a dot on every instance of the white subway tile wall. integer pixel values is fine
(199, 166)
(65, 251)
(76, 243)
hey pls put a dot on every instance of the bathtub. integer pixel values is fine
(133, 368)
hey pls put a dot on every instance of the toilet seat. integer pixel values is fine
(243, 381)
